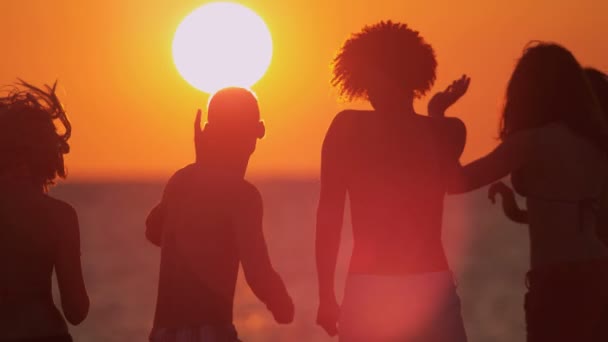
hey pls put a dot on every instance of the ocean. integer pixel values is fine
(488, 254)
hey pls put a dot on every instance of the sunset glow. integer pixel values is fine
(132, 111)
(222, 44)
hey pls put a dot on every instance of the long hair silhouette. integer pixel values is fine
(549, 85)
(39, 235)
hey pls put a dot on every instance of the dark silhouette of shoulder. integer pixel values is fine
(452, 134)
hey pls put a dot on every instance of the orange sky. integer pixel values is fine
(132, 112)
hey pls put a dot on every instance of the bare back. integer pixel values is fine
(37, 236)
(393, 166)
(211, 224)
(563, 180)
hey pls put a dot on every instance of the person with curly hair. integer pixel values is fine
(38, 233)
(554, 144)
(391, 162)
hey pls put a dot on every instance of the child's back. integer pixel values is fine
(209, 221)
(38, 234)
(35, 237)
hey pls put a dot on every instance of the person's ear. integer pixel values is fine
(261, 130)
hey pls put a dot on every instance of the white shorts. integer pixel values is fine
(412, 308)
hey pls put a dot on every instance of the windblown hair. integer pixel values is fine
(549, 85)
(380, 53)
(29, 135)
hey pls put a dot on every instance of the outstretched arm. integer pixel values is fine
(330, 215)
(510, 155)
(509, 205)
(264, 281)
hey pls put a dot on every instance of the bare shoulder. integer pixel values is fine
(350, 116)
(180, 178)
(451, 126)
(182, 174)
(60, 209)
(453, 133)
(346, 124)
(248, 194)
(246, 205)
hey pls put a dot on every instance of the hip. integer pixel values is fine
(203, 333)
(387, 308)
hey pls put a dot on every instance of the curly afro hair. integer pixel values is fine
(386, 51)
(29, 135)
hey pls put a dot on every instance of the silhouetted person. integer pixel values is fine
(37, 232)
(209, 221)
(599, 83)
(392, 164)
(554, 145)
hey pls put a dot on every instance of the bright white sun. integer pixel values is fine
(222, 44)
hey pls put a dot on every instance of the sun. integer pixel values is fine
(222, 44)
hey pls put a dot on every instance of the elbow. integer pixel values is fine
(76, 313)
(152, 237)
(154, 230)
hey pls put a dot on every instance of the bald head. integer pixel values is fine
(233, 106)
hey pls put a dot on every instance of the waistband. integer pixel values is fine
(204, 333)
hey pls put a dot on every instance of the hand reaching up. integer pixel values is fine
(444, 99)
(199, 136)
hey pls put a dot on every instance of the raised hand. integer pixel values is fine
(444, 99)
(327, 317)
(199, 135)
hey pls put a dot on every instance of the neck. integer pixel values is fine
(231, 168)
(14, 183)
(403, 107)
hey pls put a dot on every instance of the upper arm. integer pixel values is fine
(330, 211)
(154, 224)
(263, 280)
(156, 217)
(509, 156)
(454, 137)
(333, 162)
(248, 230)
(74, 298)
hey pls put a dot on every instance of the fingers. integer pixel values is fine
(492, 197)
(197, 122)
(466, 82)
(492, 193)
